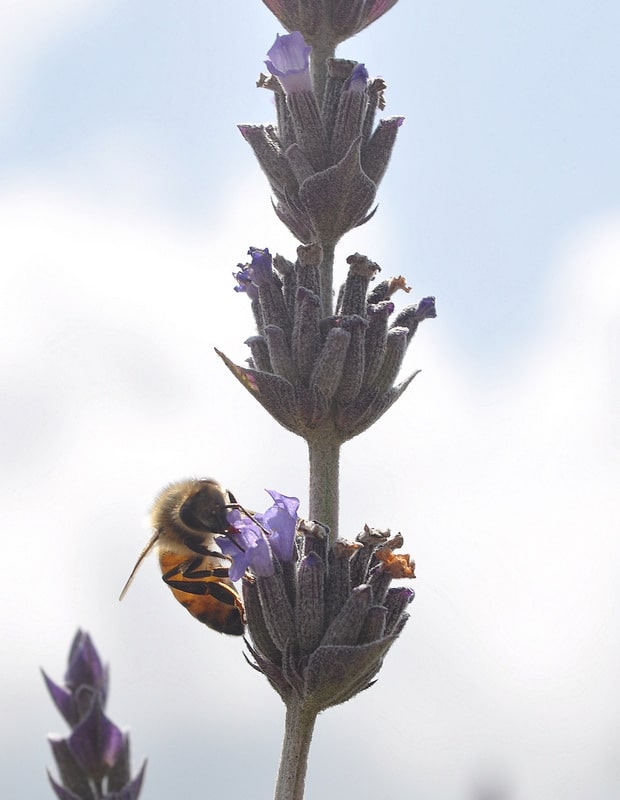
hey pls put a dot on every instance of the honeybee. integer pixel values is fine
(185, 516)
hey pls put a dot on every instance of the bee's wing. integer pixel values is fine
(145, 551)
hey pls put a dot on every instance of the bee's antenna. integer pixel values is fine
(145, 551)
(249, 514)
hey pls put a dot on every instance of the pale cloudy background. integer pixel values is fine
(126, 199)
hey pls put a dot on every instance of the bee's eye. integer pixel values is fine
(204, 511)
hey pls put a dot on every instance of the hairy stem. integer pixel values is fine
(298, 729)
(322, 49)
(327, 280)
(324, 455)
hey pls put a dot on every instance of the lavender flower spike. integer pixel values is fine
(93, 761)
(320, 626)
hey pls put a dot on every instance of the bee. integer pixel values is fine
(185, 516)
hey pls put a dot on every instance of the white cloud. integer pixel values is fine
(507, 489)
(26, 28)
(505, 486)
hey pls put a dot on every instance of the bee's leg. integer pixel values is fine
(220, 591)
(196, 574)
(223, 593)
(195, 584)
(185, 586)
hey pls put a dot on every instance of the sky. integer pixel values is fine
(127, 197)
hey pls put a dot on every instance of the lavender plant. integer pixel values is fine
(321, 610)
(93, 761)
(323, 375)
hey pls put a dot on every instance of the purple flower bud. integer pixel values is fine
(357, 80)
(396, 602)
(260, 269)
(280, 353)
(289, 62)
(310, 608)
(426, 309)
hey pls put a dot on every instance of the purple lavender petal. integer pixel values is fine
(63, 700)
(281, 520)
(244, 282)
(132, 790)
(61, 792)
(289, 61)
(255, 553)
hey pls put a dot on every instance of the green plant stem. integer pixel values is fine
(324, 455)
(322, 49)
(298, 728)
(327, 280)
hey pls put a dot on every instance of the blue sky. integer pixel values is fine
(126, 199)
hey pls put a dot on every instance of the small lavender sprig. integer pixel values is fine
(325, 376)
(323, 159)
(321, 617)
(93, 762)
